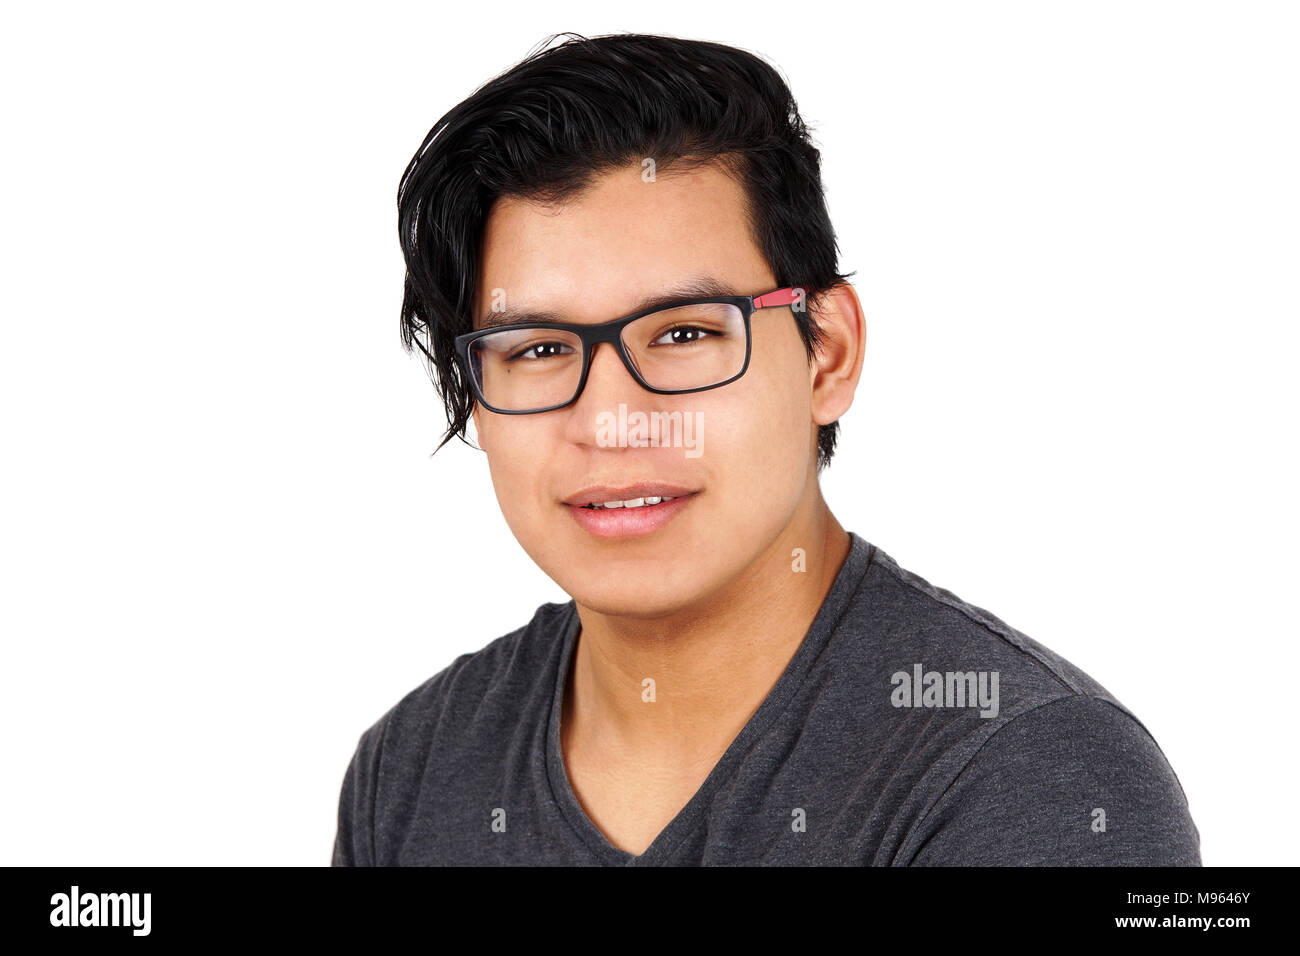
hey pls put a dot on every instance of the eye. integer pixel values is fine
(540, 350)
(682, 335)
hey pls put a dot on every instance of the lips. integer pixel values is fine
(602, 494)
(626, 518)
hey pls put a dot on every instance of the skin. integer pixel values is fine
(708, 605)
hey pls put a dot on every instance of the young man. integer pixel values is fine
(621, 265)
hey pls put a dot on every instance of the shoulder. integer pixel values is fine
(448, 732)
(927, 617)
(473, 696)
(1055, 770)
(1076, 781)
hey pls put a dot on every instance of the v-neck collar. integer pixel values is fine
(681, 826)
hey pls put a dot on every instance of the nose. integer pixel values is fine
(608, 385)
(608, 379)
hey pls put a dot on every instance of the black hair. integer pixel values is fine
(546, 127)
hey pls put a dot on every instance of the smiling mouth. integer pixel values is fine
(631, 517)
(631, 503)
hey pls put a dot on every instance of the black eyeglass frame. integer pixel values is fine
(612, 332)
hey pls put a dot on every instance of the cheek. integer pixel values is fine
(780, 399)
(512, 465)
(761, 435)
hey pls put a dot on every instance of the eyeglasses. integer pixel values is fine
(690, 346)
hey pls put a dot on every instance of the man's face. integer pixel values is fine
(624, 240)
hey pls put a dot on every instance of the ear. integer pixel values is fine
(837, 363)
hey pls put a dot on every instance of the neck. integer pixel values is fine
(711, 664)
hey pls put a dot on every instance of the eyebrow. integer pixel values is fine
(696, 287)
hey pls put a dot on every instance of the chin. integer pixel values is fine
(636, 589)
(630, 602)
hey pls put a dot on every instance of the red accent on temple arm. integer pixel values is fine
(786, 296)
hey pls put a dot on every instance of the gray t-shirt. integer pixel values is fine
(909, 728)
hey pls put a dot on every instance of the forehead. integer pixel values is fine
(619, 240)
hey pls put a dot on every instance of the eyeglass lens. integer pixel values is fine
(681, 348)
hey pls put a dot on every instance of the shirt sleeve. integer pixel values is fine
(354, 841)
(1074, 782)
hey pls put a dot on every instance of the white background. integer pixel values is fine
(225, 549)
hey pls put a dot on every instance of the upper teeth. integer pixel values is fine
(631, 502)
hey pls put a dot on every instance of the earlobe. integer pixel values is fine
(837, 362)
